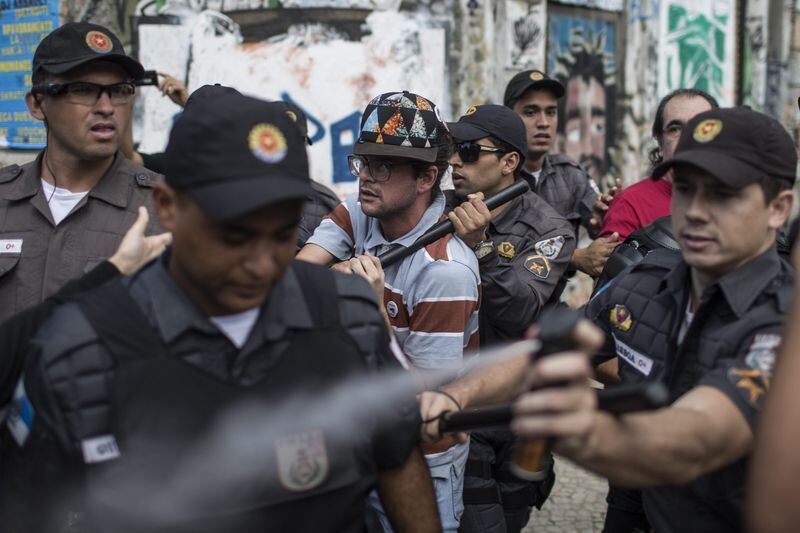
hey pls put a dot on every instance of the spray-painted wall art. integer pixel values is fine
(698, 40)
(582, 53)
(322, 71)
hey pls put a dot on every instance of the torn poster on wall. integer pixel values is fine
(582, 54)
(698, 47)
(330, 77)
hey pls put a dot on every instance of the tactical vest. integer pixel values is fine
(165, 461)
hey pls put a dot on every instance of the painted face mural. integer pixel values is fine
(581, 55)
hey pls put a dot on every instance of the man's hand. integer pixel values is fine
(173, 88)
(470, 220)
(432, 405)
(368, 267)
(601, 204)
(135, 249)
(592, 259)
(561, 405)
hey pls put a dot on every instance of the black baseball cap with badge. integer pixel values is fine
(736, 145)
(497, 121)
(77, 43)
(527, 80)
(233, 155)
(400, 124)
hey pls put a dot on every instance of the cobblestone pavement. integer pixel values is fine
(577, 503)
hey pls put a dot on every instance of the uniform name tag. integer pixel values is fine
(99, 449)
(640, 362)
(10, 246)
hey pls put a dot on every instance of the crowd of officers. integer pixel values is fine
(168, 332)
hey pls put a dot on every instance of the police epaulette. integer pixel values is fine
(10, 173)
(563, 159)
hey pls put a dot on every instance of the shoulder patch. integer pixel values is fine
(550, 248)
(10, 173)
(761, 355)
(538, 265)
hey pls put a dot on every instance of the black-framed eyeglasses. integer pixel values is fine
(88, 93)
(469, 152)
(379, 169)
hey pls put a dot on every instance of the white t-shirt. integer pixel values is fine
(237, 327)
(61, 201)
(536, 176)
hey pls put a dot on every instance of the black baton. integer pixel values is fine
(444, 227)
(617, 401)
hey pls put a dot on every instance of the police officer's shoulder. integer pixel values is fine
(781, 288)
(558, 160)
(66, 331)
(354, 289)
(141, 176)
(10, 173)
(540, 216)
(324, 195)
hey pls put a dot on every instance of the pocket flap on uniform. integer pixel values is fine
(8, 262)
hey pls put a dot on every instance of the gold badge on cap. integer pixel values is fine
(99, 42)
(267, 143)
(707, 130)
(536, 75)
(507, 250)
(470, 111)
(621, 318)
(292, 115)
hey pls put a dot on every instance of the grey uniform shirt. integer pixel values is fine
(37, 256)
(567, 188)
(533, 246)
(730, 345)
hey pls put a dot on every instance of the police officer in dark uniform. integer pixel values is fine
(563, 184)
(709, 328)
(187, 397)
(523, 251)
(66, 211)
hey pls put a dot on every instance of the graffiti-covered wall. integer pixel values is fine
(616, 58)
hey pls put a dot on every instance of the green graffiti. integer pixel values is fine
(696, 50)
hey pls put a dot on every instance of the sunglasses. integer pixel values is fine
(469, 152)
(87, 93)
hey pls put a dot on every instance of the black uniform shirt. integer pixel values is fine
(730, 345)
(567, 188)
(69, 379)
(533, 246)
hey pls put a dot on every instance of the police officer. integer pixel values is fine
(523, 249)
(563, 184)
(152, 390)
(708, 328)
(67, 210)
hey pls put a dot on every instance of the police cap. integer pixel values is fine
(77, 43)
(233, 155)
(736, 145)
(530, 79)
(487, 120)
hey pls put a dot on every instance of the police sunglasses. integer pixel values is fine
(469, 152)
(88, 93)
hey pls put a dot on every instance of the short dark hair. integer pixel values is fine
(507, 149)
(658, 123)
(772, 187)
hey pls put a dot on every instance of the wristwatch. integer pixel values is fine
(483, 248)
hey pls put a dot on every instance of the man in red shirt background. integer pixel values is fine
(641, 203)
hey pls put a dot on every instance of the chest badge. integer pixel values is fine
(507, 250)
(392, 309)
(302, 460)
(621, 318)
(538, 265)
